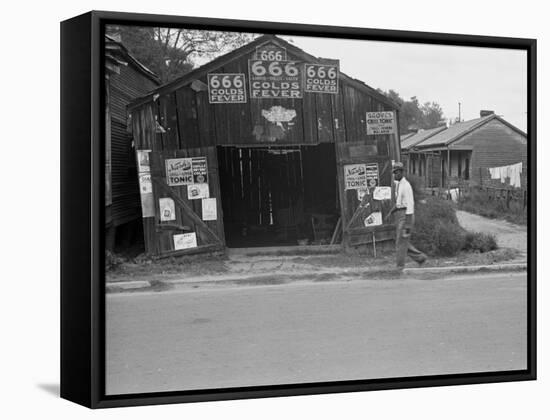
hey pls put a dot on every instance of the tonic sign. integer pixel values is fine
(226, 88)
(380, 122)
(179, 171)
(355, 176)
(274, 79)
(321, 78)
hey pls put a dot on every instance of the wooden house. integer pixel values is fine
(125, 79)
(266, 145)
(465, 153)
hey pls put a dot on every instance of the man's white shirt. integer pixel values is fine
(404, 197)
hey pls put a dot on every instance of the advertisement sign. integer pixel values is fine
(355, 176)
(226, 88)
(143, 160)
(373, 175)
(382, 193)
(145, 184)
(167, 209)
(274, 79)
(200, 170)
(380, 122)
(146, 195)
(209, 209)
(270, 52)
(321, 78)
(179, 171)
(373, 219)
(185, 241)
(196, 191)
(361, 193)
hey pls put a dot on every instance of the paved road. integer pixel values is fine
(507, 234)
(193, 339)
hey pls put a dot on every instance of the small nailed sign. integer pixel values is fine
(321, 78)
(179, 171)
(380, 122)
(355, 176)
(226, 88)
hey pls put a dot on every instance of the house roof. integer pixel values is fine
(118, 54)
(416, 138)
(222, 60)
(459, 130)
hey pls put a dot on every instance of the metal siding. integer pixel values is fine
(124, 87)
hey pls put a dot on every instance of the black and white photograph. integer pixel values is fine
(275, 210)
(284, 209)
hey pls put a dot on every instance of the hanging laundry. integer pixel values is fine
(510, 172)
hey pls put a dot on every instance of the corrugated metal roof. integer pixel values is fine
(419, 137)
(454, 132)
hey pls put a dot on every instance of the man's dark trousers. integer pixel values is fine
(403, 246)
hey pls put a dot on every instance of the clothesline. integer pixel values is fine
(512, 172)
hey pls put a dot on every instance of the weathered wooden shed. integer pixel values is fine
(266, 145)
(125, 79)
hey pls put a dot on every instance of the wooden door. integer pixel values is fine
(354, 212)
(181, 223)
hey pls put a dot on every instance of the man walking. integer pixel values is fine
(404, 219)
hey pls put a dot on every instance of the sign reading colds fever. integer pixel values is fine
(321, 78)
(226, 88)
(274, 79)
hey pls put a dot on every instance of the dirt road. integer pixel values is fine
(508, 235)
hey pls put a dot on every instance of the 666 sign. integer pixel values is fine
(321, 78)
(226, 88)
(275, 79)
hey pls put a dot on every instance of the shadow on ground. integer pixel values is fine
(52, 389)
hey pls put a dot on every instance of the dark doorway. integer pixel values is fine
(278, 195)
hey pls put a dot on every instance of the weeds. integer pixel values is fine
(479, 202)
(438, 233)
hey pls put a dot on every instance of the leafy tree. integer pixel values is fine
(432, 114)
(413, 115)
(172, 52)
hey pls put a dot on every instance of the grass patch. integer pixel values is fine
(123, 269)
(480, 203)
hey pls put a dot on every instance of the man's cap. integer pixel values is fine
(397, 166)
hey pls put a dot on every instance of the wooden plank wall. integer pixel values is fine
(163, 237)
(355, 232)
(320, 118)
(190, 123)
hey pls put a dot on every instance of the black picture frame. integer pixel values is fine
(82, 210)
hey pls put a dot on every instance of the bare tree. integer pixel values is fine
(172, 52)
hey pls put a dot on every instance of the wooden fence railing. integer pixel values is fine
(507, 195)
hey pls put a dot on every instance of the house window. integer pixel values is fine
(459, 166)
(467, 169)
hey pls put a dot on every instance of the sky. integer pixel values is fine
(478, 78)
